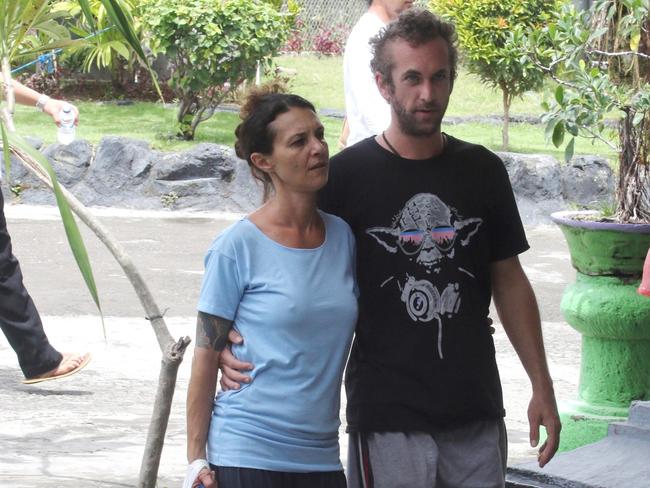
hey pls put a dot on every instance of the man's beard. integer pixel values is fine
(411, 126)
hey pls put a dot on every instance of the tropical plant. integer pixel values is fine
(600, 60)
(214, 47)
(104, 46)
(24, 25)
(483, 28)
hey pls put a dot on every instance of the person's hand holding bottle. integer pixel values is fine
(53, 108)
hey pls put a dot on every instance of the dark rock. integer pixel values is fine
(535, 181)
(70, 162)
(588, 180)
(121, 164)
(232, 189)
(533, 176)
(203, 161)
(35, 142)
(20, 174)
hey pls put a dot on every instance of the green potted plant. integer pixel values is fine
(600, 60)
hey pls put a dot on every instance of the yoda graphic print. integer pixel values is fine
(428, 232)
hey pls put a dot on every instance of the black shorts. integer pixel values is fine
(228, 477)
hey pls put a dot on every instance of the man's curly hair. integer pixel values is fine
(416, 26)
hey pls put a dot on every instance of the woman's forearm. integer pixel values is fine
(200, 397)
(211, 338)
(51, 106)
(25, 95)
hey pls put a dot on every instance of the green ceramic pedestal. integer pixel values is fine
(614, 320)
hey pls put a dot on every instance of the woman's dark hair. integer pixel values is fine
(255, 134)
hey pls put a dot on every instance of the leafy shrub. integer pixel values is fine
(214, 46)
(104, 47)
(296, 41)
(330, 40)
(600, 60)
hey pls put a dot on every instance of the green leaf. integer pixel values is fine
(123, 22)
(558, 134)
(70, 225)
(559, 94)
(638, 117)
(568, 150)
(88, 14)
(550, 127)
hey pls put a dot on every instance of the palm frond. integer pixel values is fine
(69, 223)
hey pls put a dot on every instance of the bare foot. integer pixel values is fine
(70, 364)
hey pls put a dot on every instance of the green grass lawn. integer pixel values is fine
(320, 80)
(148, 121)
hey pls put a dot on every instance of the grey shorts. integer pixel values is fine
(471, 456)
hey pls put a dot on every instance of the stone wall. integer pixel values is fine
(123, 172)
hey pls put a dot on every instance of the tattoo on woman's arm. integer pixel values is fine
(212, 331)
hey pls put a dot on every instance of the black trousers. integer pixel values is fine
(259, 478)
(19, 318)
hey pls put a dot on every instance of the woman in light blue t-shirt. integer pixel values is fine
(283, 277)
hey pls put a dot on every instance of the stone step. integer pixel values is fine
(640, 414)
(628, 429)
(525, 479)
(614, 462)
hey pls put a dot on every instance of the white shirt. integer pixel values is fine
(367, 112)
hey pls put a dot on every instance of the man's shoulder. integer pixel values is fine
(367, 26)
(459, 147)
(355, 155)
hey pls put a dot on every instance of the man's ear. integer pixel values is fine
(383, 86)
(262, 162)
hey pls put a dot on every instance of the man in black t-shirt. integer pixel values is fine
(438, 236)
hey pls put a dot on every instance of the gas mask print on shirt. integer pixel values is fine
(428, 232)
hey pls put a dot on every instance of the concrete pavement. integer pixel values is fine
(89, 430)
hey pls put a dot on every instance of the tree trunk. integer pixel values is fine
(644, 48)
(507, 100)
(633, 193)
(171, 361)
(187, 109)
(172, 351)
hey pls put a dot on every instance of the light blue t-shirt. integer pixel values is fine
(296, 309)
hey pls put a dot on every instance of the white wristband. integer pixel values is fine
(42, 101)
(193, 470)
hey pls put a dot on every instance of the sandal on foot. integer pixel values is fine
(53, 375)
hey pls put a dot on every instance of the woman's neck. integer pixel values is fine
(291, 219)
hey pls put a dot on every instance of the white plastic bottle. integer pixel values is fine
(66, 132)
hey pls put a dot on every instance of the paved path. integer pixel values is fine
(89, 430)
